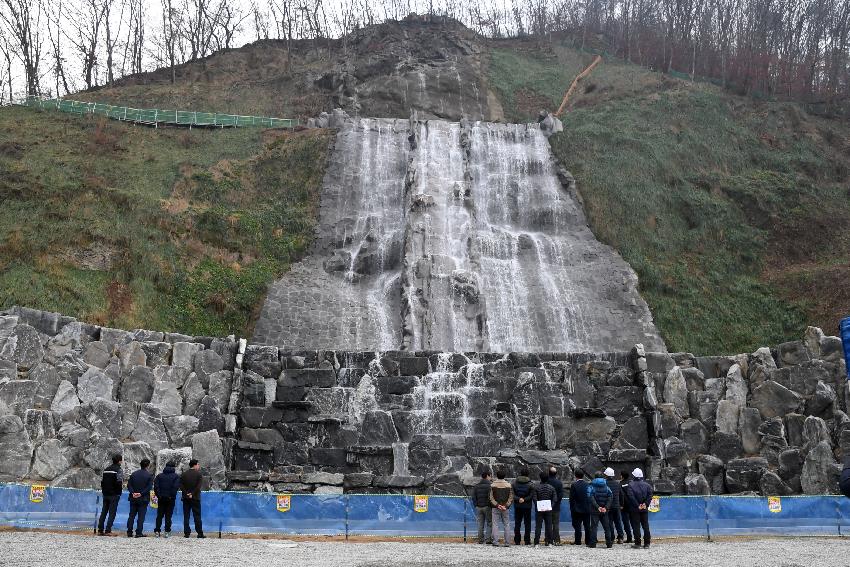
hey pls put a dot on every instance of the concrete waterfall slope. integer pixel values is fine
(453, 236)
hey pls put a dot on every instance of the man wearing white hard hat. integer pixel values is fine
(639, 494)
(614, 513)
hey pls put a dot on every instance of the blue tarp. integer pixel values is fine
(401, 515)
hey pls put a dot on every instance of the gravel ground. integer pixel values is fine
(39, 548)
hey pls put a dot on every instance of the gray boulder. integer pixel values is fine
(696, 484)
(94, 384)
(157, 353)
(771, 485)
(743, 475)
(728, 414)
(15, 448)
(65, 402)
(150, 428)
(133, 454)
(40, 425)
(676, 391)
(220, 385)
(138, 385)
(696, 436)
(47, 379)
(378, 429)
(713, 470)
(726, 446)
(18, 395)
(749, 423)
(131, 354)
(99, 454)
(97, 354)
(254, 389)
(206, 363)
(207, 448)
(209, 416)
(794, 429)
(81, 478)
(102, 417)
(49, 461)
(193, 392)
(23, 346)
(180, 457)
(736, 386)
(815, 431)
(183, 354)
(822, 401)
(180, 429)
(820, 471)
(167, 398)
(775, 400)
(129, 413)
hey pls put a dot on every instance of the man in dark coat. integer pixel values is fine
(844, 483)
(542, 492)
(616, 519)
(624, 503)
(558, 486)
(190, 485)
(165, 486)
(639, 494)
(139, 486)
(111, 486)
(523, 499)
(600, 498)
(483, 512)
(579, 507)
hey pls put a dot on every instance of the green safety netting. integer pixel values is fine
(156, 116)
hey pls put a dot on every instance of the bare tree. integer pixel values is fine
(86, 20)
(23, 20)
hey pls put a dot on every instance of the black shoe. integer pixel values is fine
(646, 546)
(129, 534)
(637, 546)
(630, 540)
(592, 546)
(609, 545)
(186, 535)
(202, 536)
(141, 535)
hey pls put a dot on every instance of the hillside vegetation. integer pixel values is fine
(733, 213)
(135, 227)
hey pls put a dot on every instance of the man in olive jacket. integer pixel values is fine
(483, 511)
(190, 486)
(501, 498)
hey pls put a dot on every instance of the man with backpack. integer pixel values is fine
(139, 486)
(111, 486)
(600, 498)
(483, 511)
(523, 499)
(165, 486)
(639, 494)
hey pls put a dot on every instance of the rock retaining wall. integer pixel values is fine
(261, 418)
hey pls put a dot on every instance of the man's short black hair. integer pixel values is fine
(523, 471)
(145, 463)
(171, 464)
(500, 474)
(192, 462)
(117, 459)
(599, 475)
(579, 473)
(624, 475)
(485, 473)
(543, 476)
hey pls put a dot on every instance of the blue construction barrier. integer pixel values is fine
(844, 331)
(23, 506)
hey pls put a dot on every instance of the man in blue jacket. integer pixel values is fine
(600, 497)
(139, 486)
(165, 486)
(639, 495)
(580, 507)
(558, 486)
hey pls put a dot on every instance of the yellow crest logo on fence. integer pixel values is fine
(284, 502)
(774, 504)
(420, 503)
(655, 504)
(37, 492)
(154, 500)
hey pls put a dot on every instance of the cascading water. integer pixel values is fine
(457, 237)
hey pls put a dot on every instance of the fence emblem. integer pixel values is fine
(37, 492)
(420, 503)
(774, 504)
(284, 502)
(655, 504)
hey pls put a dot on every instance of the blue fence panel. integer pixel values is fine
(679, 516)
(844, 329)
(816, 515)
(60, 508)
(395, 515)
(258, 513)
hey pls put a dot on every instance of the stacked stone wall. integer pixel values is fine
(263, 418)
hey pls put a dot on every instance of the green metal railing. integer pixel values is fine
(155, 116)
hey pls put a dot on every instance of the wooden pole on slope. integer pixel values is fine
(580, 76)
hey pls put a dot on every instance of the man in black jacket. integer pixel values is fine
(624, 502)
(523, 496)
(483, 511)
(844, 483)
(543, 518)
(139, 486)
(558, 486)
(639, 494)
(190, 484)
(111, 486)
(579, 507)
(165, 486)
(615, 518)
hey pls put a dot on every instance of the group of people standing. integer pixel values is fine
(616, 504)
(164, 486)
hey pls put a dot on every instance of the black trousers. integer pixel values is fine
(581, 521)
(138, 510)
(192, 507)
(617, 522)
(522, 516)
(640, 519)
(165, 510)
(595, 520)
(110, 507)
(543, 520)
(627, 524)
(556, 524)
